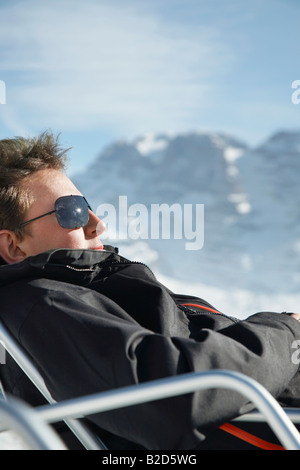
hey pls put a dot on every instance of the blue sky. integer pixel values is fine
(99, 71)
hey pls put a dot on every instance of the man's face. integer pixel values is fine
(46, 186)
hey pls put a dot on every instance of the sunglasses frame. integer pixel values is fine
(55, 210)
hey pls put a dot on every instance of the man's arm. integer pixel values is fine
(82, 349)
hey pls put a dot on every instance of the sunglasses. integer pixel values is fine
(71, 212)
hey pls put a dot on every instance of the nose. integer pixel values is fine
(95, 226)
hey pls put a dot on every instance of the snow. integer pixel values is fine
(241, 202)
(9, 440)
(151, 143)
(231, 154)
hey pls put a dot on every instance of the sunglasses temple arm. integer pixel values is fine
(36, 218)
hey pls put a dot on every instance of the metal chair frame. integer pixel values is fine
(16, 415)
(87, 439)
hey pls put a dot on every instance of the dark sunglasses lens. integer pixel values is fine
(72, 212)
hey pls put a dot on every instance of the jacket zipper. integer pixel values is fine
(107, 263)
(79, 269)
(128, 263)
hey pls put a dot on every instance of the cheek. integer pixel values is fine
(56, 237)
(68, 239)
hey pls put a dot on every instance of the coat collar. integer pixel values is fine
(48, 263)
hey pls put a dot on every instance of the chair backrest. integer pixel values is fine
(83, 434)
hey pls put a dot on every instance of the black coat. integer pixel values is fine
(94, 321)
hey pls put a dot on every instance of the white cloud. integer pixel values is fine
(90, 64)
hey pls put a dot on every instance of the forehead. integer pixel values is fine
(48, 185)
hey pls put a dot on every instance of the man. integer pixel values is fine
(93, 321)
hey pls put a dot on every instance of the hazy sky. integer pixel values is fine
(98, 71)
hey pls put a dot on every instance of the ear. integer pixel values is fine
(10, 249)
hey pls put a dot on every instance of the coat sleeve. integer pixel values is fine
(82, 350)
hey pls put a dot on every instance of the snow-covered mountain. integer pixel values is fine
(271, 230)
(251, 203)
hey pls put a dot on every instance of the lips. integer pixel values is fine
(98, 248)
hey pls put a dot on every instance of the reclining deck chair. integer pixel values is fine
(279, 419)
